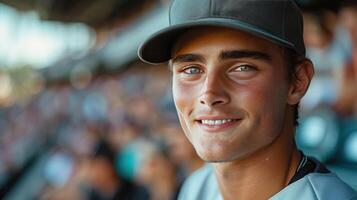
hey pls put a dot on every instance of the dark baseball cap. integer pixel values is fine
(279, 21)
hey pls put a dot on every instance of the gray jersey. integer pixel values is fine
(202, 185)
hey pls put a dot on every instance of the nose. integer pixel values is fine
(214, 92)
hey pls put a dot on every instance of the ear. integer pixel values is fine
(300, 83)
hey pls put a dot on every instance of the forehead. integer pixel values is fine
(210, 39)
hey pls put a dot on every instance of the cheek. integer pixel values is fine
(184, 99)
(272, 95)
(184, 96)
(264, 100)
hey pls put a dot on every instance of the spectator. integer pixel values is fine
(347, 102)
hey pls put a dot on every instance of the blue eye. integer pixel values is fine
(244, 68)
(192, 70)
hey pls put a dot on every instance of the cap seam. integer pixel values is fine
(170, 11)
(214, 10)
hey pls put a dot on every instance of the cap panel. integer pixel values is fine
(183, 10)
(260, 13)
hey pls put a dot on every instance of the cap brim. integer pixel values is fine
(157, 48)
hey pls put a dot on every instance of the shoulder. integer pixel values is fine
(318, 186)
(201, 184)
(329, 186)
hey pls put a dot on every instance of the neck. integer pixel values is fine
(268, 171)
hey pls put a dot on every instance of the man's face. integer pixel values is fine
(230, 90)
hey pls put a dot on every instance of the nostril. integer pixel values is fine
(211, 103)
(216, 103)
(213, 99)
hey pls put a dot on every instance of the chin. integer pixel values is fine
(219, 154)
(209, 155)
(216, 160)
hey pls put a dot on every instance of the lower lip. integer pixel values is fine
(218, 128)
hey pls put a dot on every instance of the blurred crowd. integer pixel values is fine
(331, 41)
(118, 137)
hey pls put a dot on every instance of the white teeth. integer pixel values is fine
(216, 122)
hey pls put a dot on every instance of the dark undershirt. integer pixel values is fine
(308, 165)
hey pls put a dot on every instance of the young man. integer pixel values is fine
(239, 72)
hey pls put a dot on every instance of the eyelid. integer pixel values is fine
(181, 66)
(188, 66)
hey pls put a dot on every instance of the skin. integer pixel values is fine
(221, 73)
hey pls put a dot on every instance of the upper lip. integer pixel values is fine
(218, 117)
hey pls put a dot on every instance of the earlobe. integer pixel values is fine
(300, 83)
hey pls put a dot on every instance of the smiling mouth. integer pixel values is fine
(218, 124)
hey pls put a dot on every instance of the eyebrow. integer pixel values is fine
(236, 54)
(224, 55)
(188, 58)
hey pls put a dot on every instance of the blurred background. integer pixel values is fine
(82, 118)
